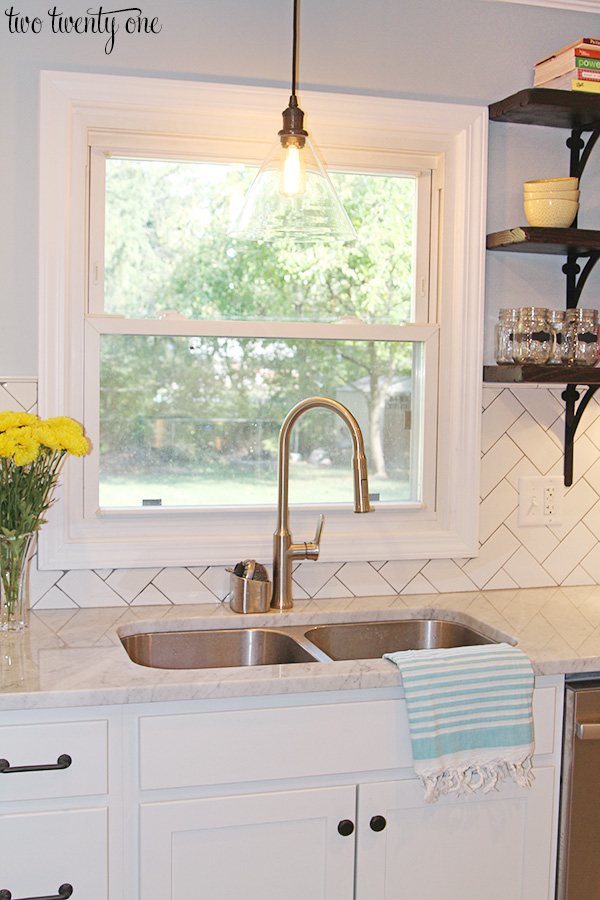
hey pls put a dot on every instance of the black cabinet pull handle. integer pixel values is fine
(377, 823)
(63, 762)
(345, 828)
(64, 891)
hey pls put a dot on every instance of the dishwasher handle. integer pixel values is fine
(587, 731)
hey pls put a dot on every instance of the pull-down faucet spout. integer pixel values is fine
(284, 550)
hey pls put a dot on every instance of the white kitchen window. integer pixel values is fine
(182, 473)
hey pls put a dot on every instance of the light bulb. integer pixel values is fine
(292, 176)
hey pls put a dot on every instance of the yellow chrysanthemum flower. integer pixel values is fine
(10, 419)
(21, 443)
(63, 433)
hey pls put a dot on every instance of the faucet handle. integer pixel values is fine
(313, 547)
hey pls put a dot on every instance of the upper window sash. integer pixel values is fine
(422, 167)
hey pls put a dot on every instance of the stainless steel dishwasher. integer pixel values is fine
(579, 835)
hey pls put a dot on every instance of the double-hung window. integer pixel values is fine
(182, 349)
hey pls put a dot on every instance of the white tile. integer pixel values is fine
(54, 599)
(500, 582)
(492, 556)
(41, 582)
(585, 455)
(497, 463)
(419, 585)
(149, 596)
(313, 576)
(592, 476)
(523, 468)
(363, 580)
(217, 579)
(446, 576)
(590, 421)
(591, 563)
(545, 408)
(592, 520)
(332, 589)
(489, 394)
(539, 540)
(569, 553)
(24, 392)
(128, 583)
(180, 586)
(498, 417)
(526, 571)
(496, 507)
(88, 590)
(400, 572)
(578, 500)
(103, 573)
(534, 442)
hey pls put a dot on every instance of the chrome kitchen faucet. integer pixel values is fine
(284, 549)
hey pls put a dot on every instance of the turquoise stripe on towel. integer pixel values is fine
(470, 715)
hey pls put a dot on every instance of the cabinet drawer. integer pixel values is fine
(34, 745)
(261, 744)
(42, 851)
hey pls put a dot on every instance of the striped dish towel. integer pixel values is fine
(470, 716)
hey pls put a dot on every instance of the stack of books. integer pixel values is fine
(574, 68)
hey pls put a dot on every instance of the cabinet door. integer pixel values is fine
(496, 846)
(42, 850)
(256, 847)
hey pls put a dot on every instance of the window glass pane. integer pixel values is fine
(195, 421)
(166, 248)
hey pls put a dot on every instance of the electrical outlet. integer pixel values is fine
(540, 500)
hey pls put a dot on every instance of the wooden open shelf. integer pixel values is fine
(561, 241)
(544, 106)
(509, 374)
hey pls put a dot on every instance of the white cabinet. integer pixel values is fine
(256, 846)
(247, 803)
(54, 816)
(495, 846)
(43, 850)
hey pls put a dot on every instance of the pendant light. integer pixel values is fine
(292, 196)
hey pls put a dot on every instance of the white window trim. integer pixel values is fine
(72, 107)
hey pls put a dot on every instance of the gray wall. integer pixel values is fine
(460, 51)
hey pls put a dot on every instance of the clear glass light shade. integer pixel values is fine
(292, 196)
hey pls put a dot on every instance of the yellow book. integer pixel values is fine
(592, 87)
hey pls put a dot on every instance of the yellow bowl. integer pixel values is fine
(551, 213)
(551, 195)
(552, 184)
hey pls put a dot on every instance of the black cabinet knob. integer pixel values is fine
(377, 823)
(346, 827)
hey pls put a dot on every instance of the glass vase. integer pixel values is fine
(15, 563)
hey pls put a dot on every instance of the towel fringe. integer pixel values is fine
(482, 777)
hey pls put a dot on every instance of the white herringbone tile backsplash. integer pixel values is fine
(522, 434)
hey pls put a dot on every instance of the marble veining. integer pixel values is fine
(75, 657)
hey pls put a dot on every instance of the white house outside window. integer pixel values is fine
(181, 352)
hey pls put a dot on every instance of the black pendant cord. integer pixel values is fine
(295, 47)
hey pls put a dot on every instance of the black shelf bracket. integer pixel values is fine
(572, 269)
(573, 414)
(580, 150)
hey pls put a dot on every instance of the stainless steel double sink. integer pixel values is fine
(266, 646)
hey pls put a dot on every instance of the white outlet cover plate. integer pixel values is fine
(532, 500)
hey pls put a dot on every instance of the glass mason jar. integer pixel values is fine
(556, 318)
(506, 328)
(581, 337)
(535, 339)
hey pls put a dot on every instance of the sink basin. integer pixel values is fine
(370, 640)
(214, 649)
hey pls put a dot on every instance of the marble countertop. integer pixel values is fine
(75, 657)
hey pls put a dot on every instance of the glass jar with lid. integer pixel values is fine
(581, 330)
(506, 328)
(535, 339)
(556, 319)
